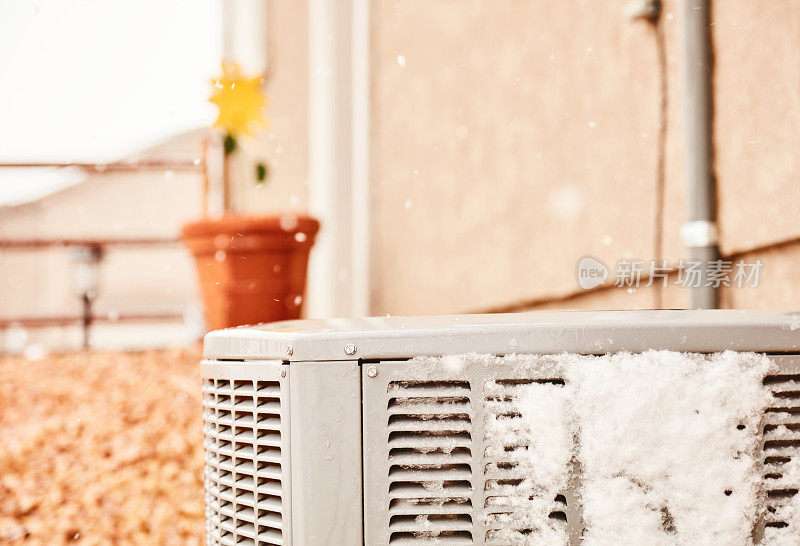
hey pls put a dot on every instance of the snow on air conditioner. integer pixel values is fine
(642, 427)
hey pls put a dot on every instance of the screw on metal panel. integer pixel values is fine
(289, 350)
(350, 349)
(283, 373)
(372, 371)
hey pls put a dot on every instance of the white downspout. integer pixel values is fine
(338, 157)
(362, 241)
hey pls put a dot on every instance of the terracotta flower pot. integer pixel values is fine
(252, 269)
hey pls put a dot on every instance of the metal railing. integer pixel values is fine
(87, 253)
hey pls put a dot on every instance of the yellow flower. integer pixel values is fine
(240, 100)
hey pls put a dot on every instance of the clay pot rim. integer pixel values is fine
(235, 223)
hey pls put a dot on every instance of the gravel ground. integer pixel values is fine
(101, 448)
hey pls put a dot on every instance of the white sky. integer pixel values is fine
(98, 80)
(94, 80)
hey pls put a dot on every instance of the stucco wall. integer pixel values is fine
(512, 138)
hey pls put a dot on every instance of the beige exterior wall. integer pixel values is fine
(512, 138)
(508, 139)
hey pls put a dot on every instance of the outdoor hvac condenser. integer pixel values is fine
(640, 427)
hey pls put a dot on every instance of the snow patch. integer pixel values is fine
(542, 460)
(659, 447)
(662, 459)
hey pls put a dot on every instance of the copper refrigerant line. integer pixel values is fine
(200, 164)
(31, 244)
(120, 166)
(66, 320)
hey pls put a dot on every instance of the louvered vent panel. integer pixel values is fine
(243, 470)
(433, 472)
(507, 466)
(430, 443)
(782, 451)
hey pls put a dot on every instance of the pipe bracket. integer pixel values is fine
(699, 234)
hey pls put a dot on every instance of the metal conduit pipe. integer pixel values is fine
(699, 232)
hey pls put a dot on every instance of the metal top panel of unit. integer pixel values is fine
(543, 332)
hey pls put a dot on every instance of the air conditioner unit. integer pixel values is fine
(369, 431)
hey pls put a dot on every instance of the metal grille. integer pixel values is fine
(243, 470)
(508, 465)
(781, 447)
(429, 428)
(429, 477)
